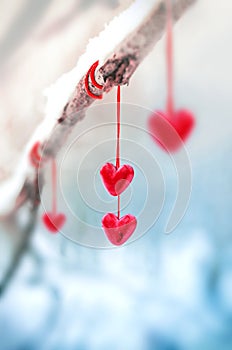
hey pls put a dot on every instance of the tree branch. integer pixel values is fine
(117, 70)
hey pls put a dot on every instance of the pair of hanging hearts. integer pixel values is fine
(116, 180)
(118, 230)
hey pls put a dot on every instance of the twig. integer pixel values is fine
(117, 70)
(25, 233)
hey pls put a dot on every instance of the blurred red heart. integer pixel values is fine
(54, 222)
(116, 180)
(117, 230)
(170, 131)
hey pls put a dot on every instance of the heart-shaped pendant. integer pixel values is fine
(170, 131)
(54, 222)
(116, 180)
(117, 230)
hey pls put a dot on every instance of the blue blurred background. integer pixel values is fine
(161, 292)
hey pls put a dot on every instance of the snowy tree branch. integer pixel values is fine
(123, 59)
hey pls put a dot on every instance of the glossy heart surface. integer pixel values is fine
(116, 180)
(117, 230)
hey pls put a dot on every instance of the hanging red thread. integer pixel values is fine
(172, 127)
(52, 220)
(116, 179)
(118, 138)
(169, 60)
(118, 126)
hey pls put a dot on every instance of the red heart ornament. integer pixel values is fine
(170, 131)
(116, 180)
(117, 230)
(54, 222)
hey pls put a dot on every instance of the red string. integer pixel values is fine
(169, 58)
(54, 185)
(118, 128)
(118, 137)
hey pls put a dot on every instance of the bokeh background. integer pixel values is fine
(161, 292)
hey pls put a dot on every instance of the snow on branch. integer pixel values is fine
(120, 48)
(125, 41)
